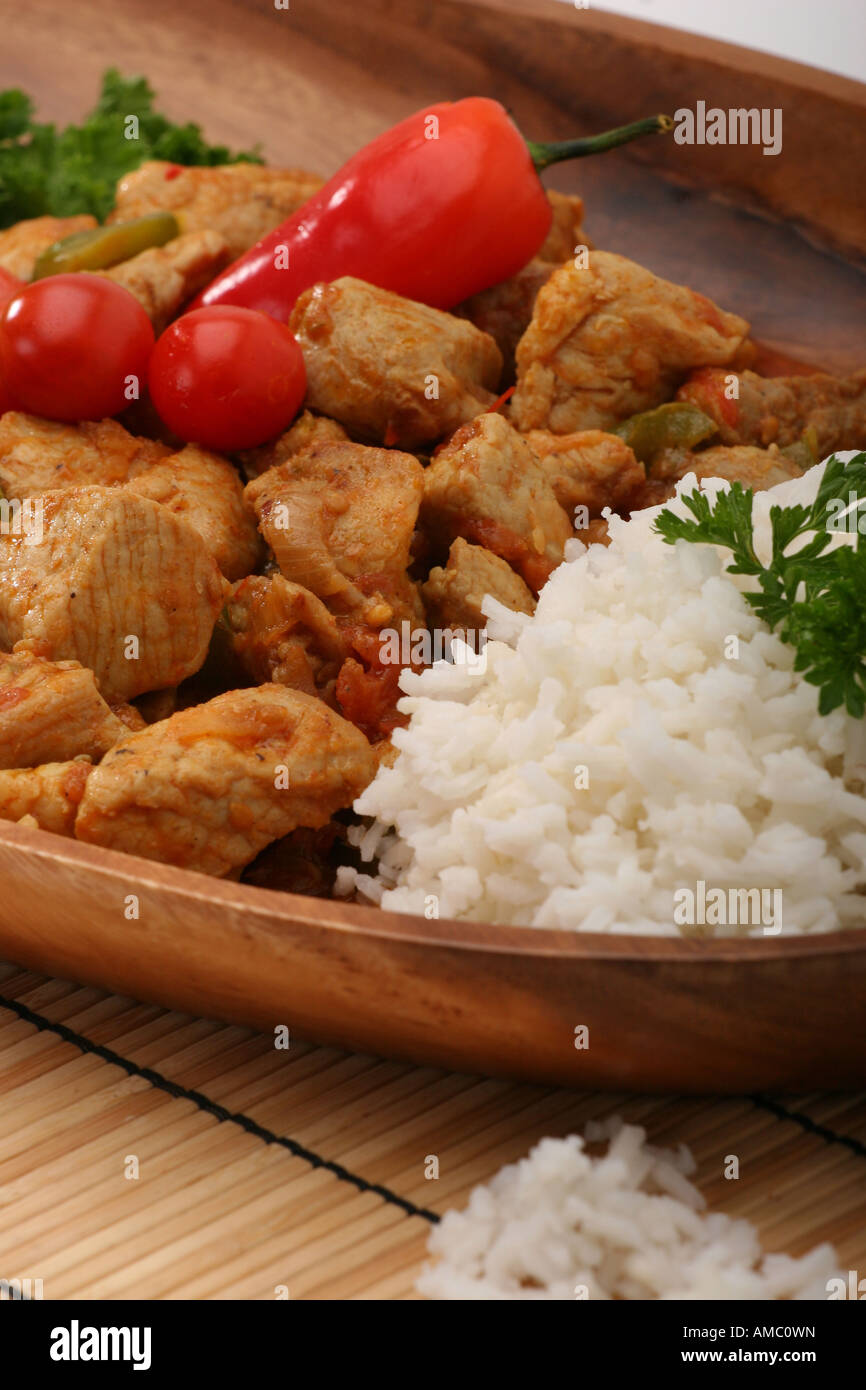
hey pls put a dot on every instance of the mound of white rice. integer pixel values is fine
(564, 1225)
(617, 749)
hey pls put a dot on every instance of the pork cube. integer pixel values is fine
(610, 340)
(340, 519)
(242, 202)
(22, 245)
(281, 632)
(389, 369)
(39, 455)
(566, 230)
(453, 596)
(589, 469)
(51, 712)
(200, 487)
(487, 485)
(307, 430)
(113, 581)
(505, 311)
(204, 490)
(208, 788)
(46, 797)
(779, 410)
(163, 278)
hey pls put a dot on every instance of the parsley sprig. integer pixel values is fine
(816, 598)
(75, 169)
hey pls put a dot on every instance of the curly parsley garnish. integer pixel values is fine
(815, 598)
(62, 172)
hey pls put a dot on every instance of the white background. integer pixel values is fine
(826, 33)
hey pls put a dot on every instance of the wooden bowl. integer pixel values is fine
(311, 83)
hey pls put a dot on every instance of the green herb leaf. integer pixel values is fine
(815, 597)
(75, 170)
(727, 522)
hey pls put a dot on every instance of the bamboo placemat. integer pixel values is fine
(266, 1172)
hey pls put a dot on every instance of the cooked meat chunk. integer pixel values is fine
(198, 486)
(487, 486)
(39, 455)
(505, 311)
(307, 430)
(778, 410)
(281, 632)
(22, 245)
(156, 705)
(129, 716)
(51, 712)
(453, 595)
(389, 369)
(205, 491)
(754, 468)
(652, 494)
(49, 795)
(208, 788)
(163, 278)
(339, 519)
(566, 230)
(385, 753)
(303, 862)
(115, 582)
(243, 202)
(588, 469)
(610, 340)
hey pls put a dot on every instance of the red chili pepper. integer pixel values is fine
(500, 401)
(442, 206)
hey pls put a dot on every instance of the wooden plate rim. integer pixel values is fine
(269, 910)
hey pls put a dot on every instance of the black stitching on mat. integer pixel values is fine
(250, 1126)
(811, 1126)
(211, 1107)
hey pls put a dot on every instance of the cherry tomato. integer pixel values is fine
(227, 378)
(9, 286)
(74, 347)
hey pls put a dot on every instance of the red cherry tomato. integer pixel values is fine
(9, 286)
(227, 378)
(70, 346)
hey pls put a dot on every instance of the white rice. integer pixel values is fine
(702, 768)
(628, 1225)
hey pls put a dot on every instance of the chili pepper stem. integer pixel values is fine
(543, 155)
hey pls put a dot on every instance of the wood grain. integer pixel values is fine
(312, 83)
(663, 1014)
(592, 66)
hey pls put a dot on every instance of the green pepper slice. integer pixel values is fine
(675, 425)
(99, 248)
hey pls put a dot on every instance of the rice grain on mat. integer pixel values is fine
(561, 1224)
